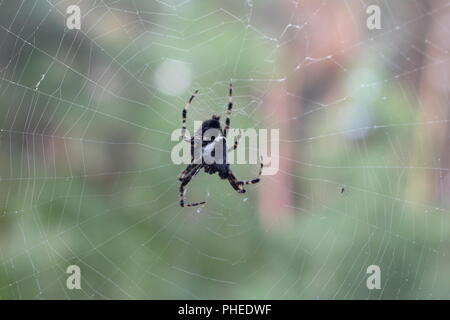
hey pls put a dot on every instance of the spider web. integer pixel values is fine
(86, 176)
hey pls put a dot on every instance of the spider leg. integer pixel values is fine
(236, 142)
(234, 182)
(186, 171)
(187, 178)
(253, 181)
(230, 106)
(184, 117)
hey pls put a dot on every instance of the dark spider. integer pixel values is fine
(219, 163)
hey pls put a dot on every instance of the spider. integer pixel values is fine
(219, 163)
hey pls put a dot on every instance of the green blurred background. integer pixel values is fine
(86, 176)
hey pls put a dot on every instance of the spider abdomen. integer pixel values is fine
(221, 169)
